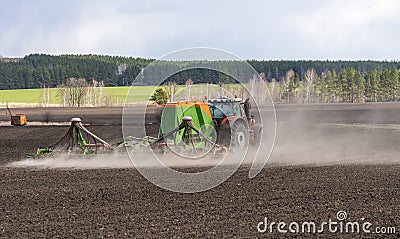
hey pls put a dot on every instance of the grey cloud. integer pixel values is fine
(252, 29)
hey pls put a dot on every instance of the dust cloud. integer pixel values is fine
(121, 160)
(306, 135)
(319, 135)
(77, 162)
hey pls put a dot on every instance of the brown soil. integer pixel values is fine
(327, 158)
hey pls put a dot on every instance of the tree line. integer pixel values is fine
(36, 70)
(346, 86)
(288, 81)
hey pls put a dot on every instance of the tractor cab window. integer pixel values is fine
(220, 110)
(238, 110)
(227, 109)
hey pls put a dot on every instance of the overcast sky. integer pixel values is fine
(257, 29)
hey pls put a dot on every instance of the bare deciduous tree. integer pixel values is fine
(287, 82)
(94, 96)
(45, 95)
(189, 84)
(257, 87)
(274, 90)
(309, 77)
(73, 92)
(170, 88)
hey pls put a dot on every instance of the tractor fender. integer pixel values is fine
(226, 121)
(236, 120)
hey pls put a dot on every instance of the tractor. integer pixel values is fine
(202, 125)
(190, 129)
(233, 122)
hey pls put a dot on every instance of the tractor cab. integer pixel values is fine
(228, 107)
(220, 108)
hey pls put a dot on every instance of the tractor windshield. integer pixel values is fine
(220, 110)
(215, 111)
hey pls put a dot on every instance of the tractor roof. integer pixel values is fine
(224, 99)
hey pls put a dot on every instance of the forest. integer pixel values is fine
(296, 81)
(36, 70)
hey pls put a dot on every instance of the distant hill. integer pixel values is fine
(34, 70)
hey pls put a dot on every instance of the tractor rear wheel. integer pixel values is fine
(239, 135)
